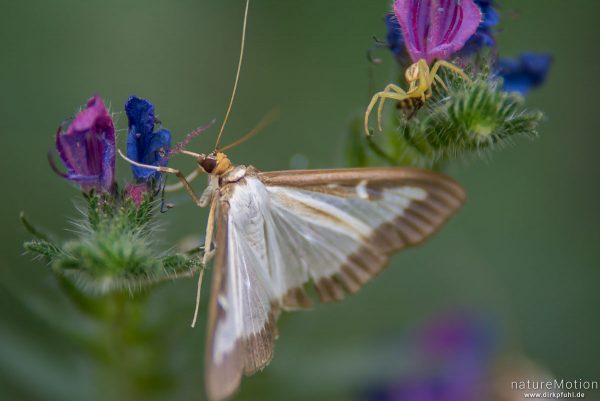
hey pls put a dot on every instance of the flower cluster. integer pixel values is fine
(115, 248)
(459, 98)
(87, 148)
(519, 75)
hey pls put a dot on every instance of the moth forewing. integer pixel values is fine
(380, 210)
(278, 231)
(241, 328)
(221, 378)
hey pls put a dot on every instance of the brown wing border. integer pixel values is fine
(381, 176)
(420, 220)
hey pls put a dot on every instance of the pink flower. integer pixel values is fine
(436, 29)
(87, 148)
(136, 192)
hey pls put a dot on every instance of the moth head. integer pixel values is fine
(216, 163)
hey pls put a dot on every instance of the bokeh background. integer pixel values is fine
(523, 253)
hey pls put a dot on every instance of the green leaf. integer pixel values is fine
(44, 249)
(37, 233)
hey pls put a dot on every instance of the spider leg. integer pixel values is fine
(442, 63)
(168, 170)
(391, 88)
(424, 88)
(381, 96)
(394, 88)
(441, 82)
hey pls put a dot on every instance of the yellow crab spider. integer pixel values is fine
(420, 78)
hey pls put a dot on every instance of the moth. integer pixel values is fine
(279, 232)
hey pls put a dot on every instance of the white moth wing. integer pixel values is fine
(278, 231)
(314, 234)
(241, 314)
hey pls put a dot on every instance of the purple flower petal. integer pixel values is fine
(449, 358)
(436, 29)
(87, 148)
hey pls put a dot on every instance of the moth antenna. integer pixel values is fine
(183, 144)
(262, 124)
(237, 75)
(188, 153)
(149, 167)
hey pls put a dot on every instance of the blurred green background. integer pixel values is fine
(524, 250)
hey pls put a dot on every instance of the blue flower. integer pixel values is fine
(395, 40)
(524, 73)
(491, 18)
(394, 37)
(144, 144)
(484, 36)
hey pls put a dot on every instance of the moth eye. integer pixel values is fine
(208, 164)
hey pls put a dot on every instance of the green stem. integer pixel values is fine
(123, 337)
(418, 142)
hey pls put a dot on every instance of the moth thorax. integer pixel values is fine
(215, 163)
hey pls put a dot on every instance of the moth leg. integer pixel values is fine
(168, 170)
(189, 178)
(380, 97)
(210, 226)
(198, 292)
(207, 254)
(209, 191)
